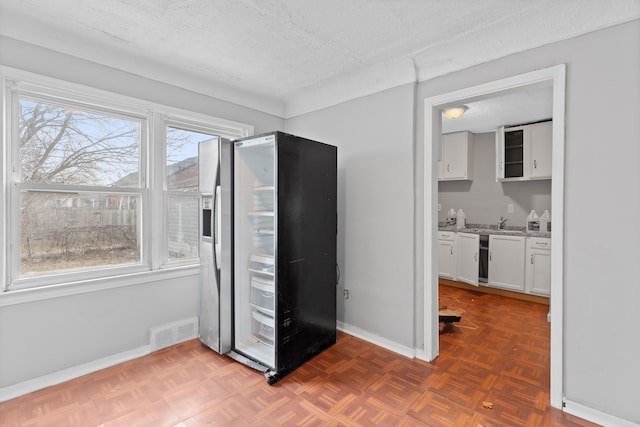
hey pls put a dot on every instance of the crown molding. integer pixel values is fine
(348, 86)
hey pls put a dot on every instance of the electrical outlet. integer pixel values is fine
(346, 294)
(510, 208)
(439, 207)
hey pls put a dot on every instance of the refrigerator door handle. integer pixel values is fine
(217, 225)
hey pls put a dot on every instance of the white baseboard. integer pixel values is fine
(423, 355)
(596, 416)
(374, 339)
(54, 378)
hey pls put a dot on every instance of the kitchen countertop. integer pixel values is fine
(492, 229)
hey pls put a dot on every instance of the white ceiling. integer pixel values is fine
(526, 105)
(287, 57)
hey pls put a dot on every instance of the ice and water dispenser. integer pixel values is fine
(207, 212)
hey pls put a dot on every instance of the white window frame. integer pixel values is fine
(17, 90)
(196, 124)
(153, 266)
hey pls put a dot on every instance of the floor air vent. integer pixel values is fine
(173, 333)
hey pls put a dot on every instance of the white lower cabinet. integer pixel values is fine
(538, 266)
(468, 257)
(506, 262)
(447, 255)
(516, 263)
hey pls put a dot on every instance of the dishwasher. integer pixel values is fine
(483, 263)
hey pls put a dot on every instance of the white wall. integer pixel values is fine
(602, 201)
(374, 136)
(40, 338)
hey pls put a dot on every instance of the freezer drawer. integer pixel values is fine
(261, 264)
(263, 199)
(263, 295)
(263, 243)
(262, 222)
(263, 328)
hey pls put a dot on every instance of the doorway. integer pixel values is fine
(554, 76)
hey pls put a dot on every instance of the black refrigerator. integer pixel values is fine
(282, 243)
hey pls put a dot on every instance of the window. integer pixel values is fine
(182, 196)
(87, 174)
(78, 185)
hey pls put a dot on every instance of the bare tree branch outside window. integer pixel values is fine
(60, 145)
(61, 230)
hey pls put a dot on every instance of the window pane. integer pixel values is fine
(76, 231)
(182, 158)
(183, 230)
(64, 145)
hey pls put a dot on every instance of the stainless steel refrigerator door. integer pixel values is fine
(215, 258)
(224, 242)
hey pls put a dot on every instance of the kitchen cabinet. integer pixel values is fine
(515, 263)
(524, 152)
(468, 258)
(541, 146)
(506, 262)
(538, 266)
(447, 255)
(456, 156)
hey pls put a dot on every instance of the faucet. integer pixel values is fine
(502, 222)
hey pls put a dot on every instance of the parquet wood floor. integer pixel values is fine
(497, 353)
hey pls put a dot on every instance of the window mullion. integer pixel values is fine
(156, 152)
(14, 235)
(12, 209)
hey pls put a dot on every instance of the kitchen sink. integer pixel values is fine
(509, 232)
(494, 231)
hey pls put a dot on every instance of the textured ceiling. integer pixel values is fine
(526, 105)
(287, 57)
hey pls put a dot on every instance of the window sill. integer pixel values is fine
(22, 296)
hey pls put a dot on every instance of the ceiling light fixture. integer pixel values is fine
(454, 112)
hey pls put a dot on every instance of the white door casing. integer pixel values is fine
(554, 76)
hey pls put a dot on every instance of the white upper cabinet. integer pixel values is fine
(457, 156)
(541, 143)
(524, 152)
